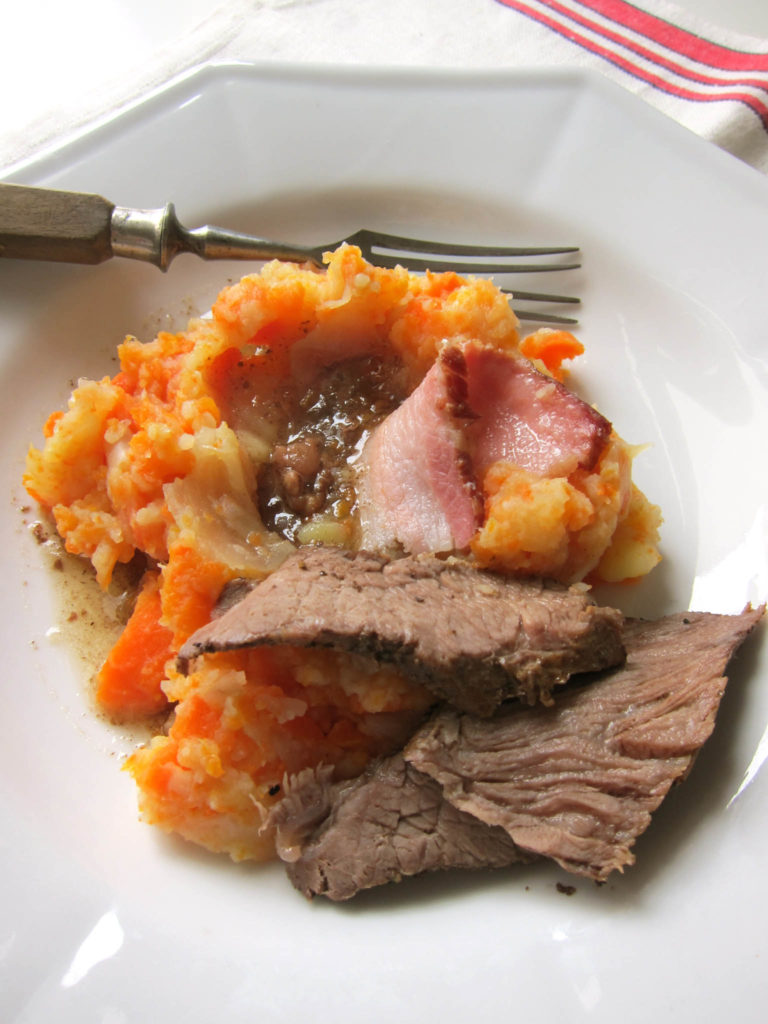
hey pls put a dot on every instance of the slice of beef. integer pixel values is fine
(473, 637)
(527, 418)
(390, 822)
(578, 782)
(416, 488)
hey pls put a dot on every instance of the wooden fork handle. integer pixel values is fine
(48, 224)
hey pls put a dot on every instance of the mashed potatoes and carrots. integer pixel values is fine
(168, 462)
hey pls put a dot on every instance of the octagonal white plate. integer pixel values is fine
(104, 920)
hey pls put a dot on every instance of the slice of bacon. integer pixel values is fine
(416, 487)
(419, 485)
(527, 418)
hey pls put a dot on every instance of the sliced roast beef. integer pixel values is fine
(578, 782)
(473, 637)
(389, 823)
(416, 488)
(422, 468)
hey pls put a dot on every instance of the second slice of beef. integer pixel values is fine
(579, 782)
(389, 823)
(473, 637)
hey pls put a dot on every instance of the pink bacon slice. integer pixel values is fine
(527, 418)
(417, 488)
(419, 485)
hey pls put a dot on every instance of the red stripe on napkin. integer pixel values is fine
(659, 70)
(642, 51)
(677, 39)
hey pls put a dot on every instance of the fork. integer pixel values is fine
(77, 227)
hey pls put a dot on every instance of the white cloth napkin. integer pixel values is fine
(712, 81)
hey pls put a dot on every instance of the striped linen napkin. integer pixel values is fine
(712, 81)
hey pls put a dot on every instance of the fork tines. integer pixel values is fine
(387, 250)
(541, 297)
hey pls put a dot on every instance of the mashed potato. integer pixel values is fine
(169, 461)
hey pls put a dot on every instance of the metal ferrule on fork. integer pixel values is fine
(157, 236)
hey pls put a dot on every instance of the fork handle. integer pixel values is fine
(50, 224)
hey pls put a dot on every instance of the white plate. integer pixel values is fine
(105, 920)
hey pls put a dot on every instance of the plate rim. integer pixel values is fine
(48, 159)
